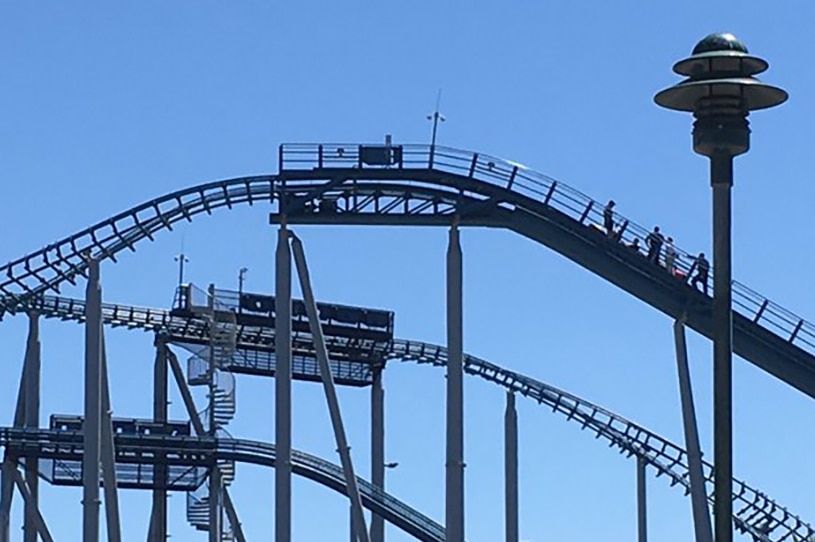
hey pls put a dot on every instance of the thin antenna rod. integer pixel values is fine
(436, 116)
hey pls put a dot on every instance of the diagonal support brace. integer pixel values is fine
(330, 391)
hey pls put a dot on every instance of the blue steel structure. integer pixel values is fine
(378, 185)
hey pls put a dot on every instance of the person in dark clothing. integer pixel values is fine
(608, 217)
(702, 272)
(635, 245)
(654, 242)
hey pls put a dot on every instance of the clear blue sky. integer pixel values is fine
(104, 107)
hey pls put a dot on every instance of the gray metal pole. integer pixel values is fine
(36, 517)
(6, 494)
(352, 535)
(108, 452)
(642, 512)
(160, 399)
(93, 405)
(722, 181)
(330, 391)
(232, 515)
(283, 387)
(378, 450)
(698, 493)
(511, 469)
(32, 420)
(454, 503)
(10, 463)
(215, 517)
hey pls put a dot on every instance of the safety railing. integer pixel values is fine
(542, 189)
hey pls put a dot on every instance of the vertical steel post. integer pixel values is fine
(160, 414)
(330, 390)
(92, 428)
(108, 457)
(9, 467)
(642, 512)
(32, 420)
(352, 532)
(698, 493)
(215, 516)
(721, 175)
(511, 469)
(377, 450)
(454, 516)
(283, 387)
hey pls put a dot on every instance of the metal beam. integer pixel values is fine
(36, 518)
(698, 494)
(6, 495)
(215, 517)
(454, 501)
(377, 449)
(283, 386)
(108, 451)
(158, 518)
(92, 429)
(511, 469)
(642, 512)
(32, 420)
(330, 391)
(9, 461)
(198, 427)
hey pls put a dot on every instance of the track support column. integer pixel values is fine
(108, 449)
(454, 502)
(511, 469)
(160, 399)
(32, 421)
(8, 472)
(378, 449)
(642, 511)
(701, 517)
(215, 515)
(92, 426)
(330, 391)
(283, 386)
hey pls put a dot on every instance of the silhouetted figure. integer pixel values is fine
(608, 217)
(670, 255)
(654, 242)
(702, 272)
(635, 245)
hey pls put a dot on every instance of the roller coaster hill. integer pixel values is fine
(226, 333)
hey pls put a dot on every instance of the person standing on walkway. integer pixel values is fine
(670, 255)
(608, 217)
(654, 242)
(702, 272)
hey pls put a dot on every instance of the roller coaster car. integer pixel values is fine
(123, 426)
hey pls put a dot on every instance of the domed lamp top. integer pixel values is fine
(720, 66)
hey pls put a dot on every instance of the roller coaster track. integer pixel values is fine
(427, 185)
(66, 446)
(752, 507)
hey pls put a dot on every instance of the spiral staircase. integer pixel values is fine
(209, 367)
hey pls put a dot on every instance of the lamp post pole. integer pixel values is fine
(720, 91)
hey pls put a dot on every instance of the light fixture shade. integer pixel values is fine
(752, 93)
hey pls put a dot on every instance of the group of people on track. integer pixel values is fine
(659, 250)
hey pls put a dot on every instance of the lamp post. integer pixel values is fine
(720, 91)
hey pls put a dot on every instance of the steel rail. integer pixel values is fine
(309, 170)
(754, 507)
(197, 451)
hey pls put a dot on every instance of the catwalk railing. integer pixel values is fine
(195, 451)
(753, 508)
(66, 259)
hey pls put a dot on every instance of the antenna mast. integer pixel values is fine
(436, 116)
